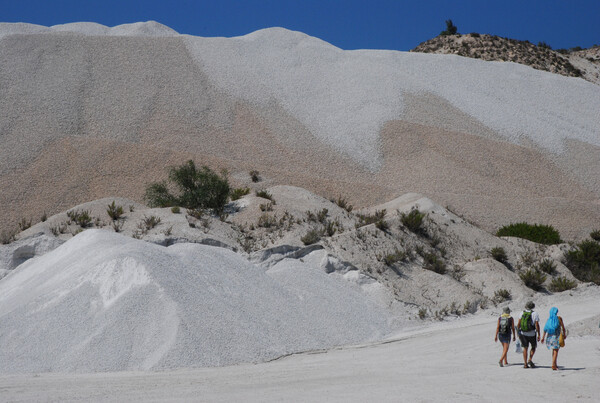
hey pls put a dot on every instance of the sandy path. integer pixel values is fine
(451, 361)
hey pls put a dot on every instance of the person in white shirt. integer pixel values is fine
(528, 326)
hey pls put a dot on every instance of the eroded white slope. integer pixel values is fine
(345, 97)
(105, 302)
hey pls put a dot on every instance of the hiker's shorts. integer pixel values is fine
(527, 340)
(504, 338)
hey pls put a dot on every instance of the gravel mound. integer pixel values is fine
(88, 114)
(105, 302)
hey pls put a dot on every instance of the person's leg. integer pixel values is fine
(525, 356)
(554, 358)
(504, 353)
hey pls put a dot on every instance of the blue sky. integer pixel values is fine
(348, 24)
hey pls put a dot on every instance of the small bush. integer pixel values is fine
(394, 257)
(330, 227)
(382, 225)
(8, 236)
(422, 313)
(44, 217)
(533, 279)
(322, 215)
(502, 295)
(584, 261)
(595, 235)
(451, 29)
(562, 284)
(197, 213)
(238, 193)
(544, 234)
(24, 224)
(114, 212)
(366, 219)
(457, 272)
(434, 263)
(264, 194)
(267, 221)
(474, 34)
(413, 221)
(150, 222)
(175, 210)
(266, 206)
(499, 254)
(255, 176)
(311, 237)
(197, 188)
(547, 266)
(81, 218)
(343, 203)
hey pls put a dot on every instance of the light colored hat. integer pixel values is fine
(506, 309)
(529, 305)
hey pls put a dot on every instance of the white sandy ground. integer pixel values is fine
(450, 361)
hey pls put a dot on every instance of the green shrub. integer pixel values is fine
(450, 29)
(544, 234)
(413, 221)
(24, 224)
(434, 263)
(330, 227)
(584, 261)
(499, 254)
(366, 219)
(81, 218)
(238, 193)
(382, 225)
(422, 313)
(266, 206)
(267, 221)
(533, 279)
(114, 212)
(255, 176)
(311, 237)
(197, 188)
(150, 222)
(264, 194)
(475, 34)
(502, 295)
(547, 266)
(394, 257)
(8, 236)
(175, 210)
(595, 235)
(562, 284)
(322, 215)
(343, 203)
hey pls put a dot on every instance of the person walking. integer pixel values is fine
(553, 328)
(528, 326)
(503, 329)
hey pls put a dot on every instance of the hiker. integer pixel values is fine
(505, 326)
(528, 326)
(553, 328)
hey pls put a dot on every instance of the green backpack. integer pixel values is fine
(526, 322)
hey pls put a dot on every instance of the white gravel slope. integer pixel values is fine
(148, 28)
(452, 361)
(345, 97)
(105, 302)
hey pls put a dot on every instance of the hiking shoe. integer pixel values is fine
(531, 364)
(500, 363)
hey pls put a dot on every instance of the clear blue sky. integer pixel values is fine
(348, 24)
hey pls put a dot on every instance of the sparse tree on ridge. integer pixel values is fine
(450, 28)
